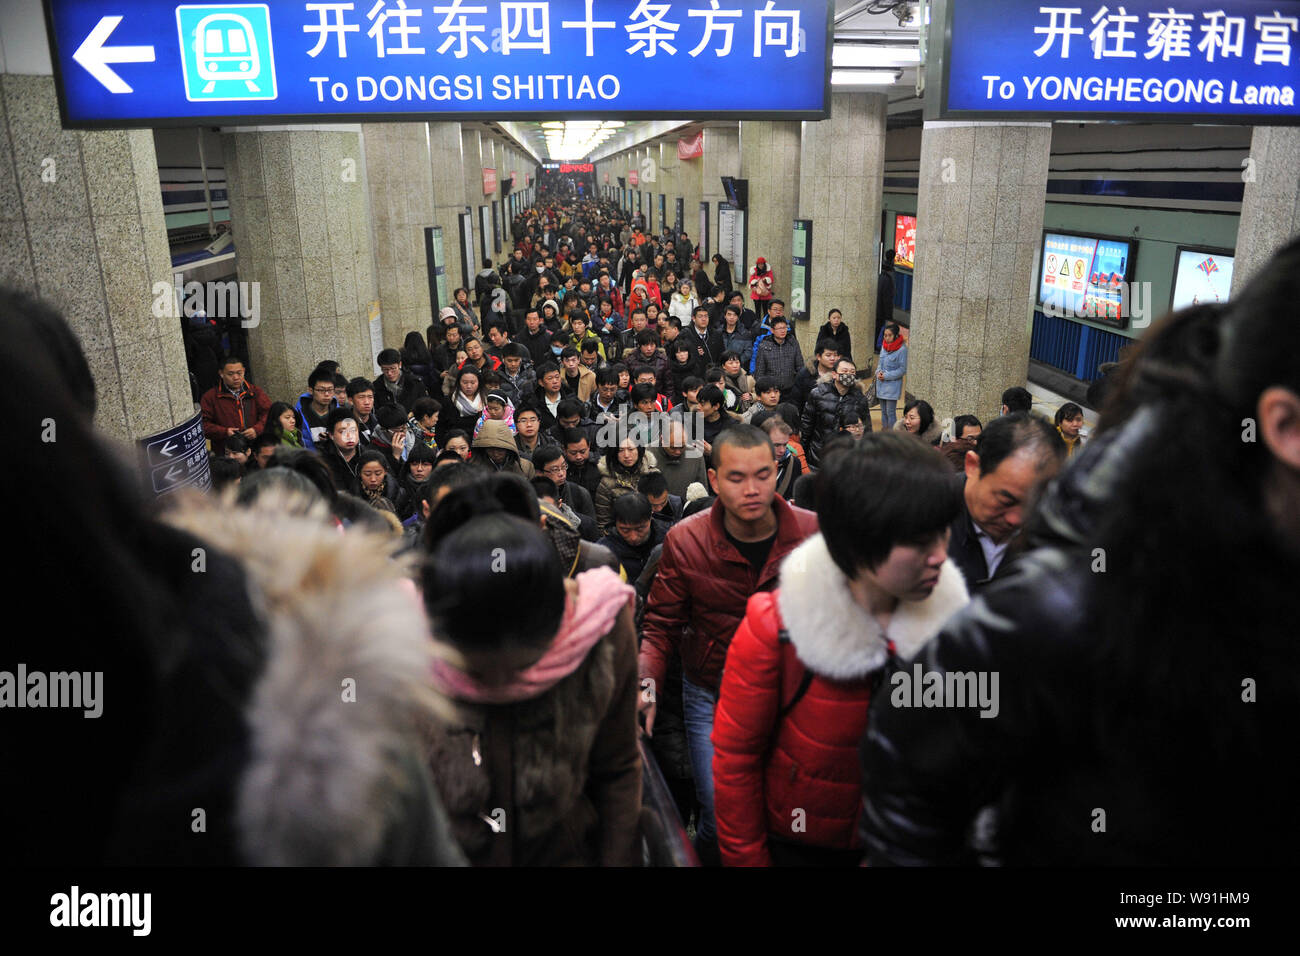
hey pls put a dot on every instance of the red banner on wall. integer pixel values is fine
(489, 181)
(607, 177)
(631, 178)
(514, 179)
(691, 148)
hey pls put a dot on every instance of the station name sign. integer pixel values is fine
(1227, 61)
(159, 63)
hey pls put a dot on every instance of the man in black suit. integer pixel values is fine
(1015, 457)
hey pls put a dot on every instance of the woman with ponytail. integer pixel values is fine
(539, 763)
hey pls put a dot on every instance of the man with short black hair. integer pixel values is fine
(697, 336)
(549, 462)
(361, 396)
(819, 369)
(648, 354)
(518, 379)
(604, 403)
(1017, 399)
(233, 406)
(577, 455)
(394, 386)
(536, 337)
(340, 450)
(314, 406)
(549, 392)
(1013, 460)
(712, 410)
(634, 534)
(664, 507)
(711, 563)
(778, 355)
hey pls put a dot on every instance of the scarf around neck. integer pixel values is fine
(587, 619)
(893, 346)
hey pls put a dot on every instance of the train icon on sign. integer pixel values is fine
(226, 52)
(223, 39)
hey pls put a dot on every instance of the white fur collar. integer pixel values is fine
(833, 635)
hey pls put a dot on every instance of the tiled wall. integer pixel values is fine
(301, 220)
(841, 170)
(89, 237)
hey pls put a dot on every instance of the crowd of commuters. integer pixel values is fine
(604, 497)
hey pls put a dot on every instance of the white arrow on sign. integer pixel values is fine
(167, 450)
(95, 57)
(170, 476)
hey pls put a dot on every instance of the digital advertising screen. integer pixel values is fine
(905, 241)
(1085, 277)
(1200, 276)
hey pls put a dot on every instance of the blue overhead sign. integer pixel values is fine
(155, 63)
(1227, 61)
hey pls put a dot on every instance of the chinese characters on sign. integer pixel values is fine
(300, 58)
(1150, 58)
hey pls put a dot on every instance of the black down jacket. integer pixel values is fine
(1065, 791)
(821, 416)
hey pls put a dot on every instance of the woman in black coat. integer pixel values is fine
(835, 330)
(722, 272)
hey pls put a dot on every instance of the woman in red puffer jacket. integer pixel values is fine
(869, 590)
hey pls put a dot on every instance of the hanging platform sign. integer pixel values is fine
(161, 63)
(177, 458)
(1226, 62)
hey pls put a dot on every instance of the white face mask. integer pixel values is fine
(541, 269)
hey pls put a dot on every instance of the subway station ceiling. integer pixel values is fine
(875, 50)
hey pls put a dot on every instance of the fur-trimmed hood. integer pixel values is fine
(647, 464)
(833, 635)
(347, 678)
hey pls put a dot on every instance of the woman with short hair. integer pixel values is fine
(809, 658)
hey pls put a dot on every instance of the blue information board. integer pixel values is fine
(1226, 61)
(177, 458)
(159, 62)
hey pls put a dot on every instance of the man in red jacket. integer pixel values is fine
(233, 406)
(711, 564)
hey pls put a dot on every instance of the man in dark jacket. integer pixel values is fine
(825, 406)
(820, 369)
(1013, 460)
(696, 335)
(395, 386)
(341, 450)
(778, 355)
(233, 407)
(634, 535)
(712, 562)
(536, 337)
(549, 462)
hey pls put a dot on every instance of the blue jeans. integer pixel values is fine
(697, 713)
(888, 413)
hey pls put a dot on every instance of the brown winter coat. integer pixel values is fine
(575, 794)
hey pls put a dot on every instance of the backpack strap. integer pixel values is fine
(805, 680)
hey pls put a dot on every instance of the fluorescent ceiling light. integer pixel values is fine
(864, 77)
(859, 55)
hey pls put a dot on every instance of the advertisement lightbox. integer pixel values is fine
(1201, 276)
(1086, 277)
(905, 241)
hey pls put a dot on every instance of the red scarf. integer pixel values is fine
(893, 346)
